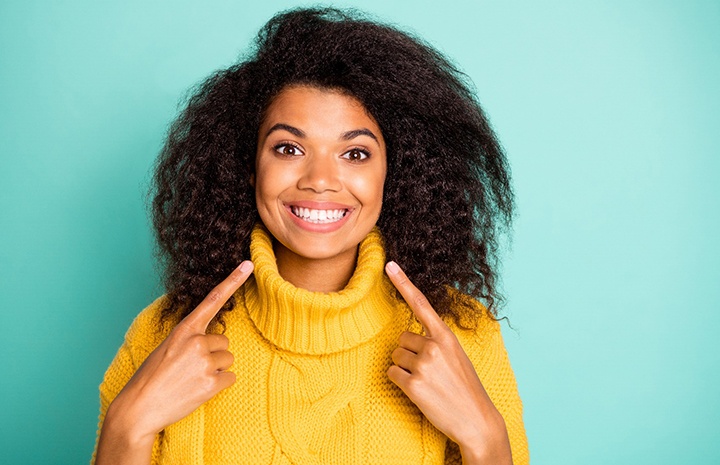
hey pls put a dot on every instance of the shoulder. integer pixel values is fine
(146, 331)
(473, 326)
(482, 338)
(486, 350)
(143, 336)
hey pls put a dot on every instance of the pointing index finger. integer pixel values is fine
(416, 300)
(200, 318)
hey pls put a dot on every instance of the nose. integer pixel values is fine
(320, 174)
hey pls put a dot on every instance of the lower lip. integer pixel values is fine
(319, 227)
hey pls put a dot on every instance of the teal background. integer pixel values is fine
(608, 112)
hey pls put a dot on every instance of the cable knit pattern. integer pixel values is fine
(311, 376)
(316, 323)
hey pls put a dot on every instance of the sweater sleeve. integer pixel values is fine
(140, 340)
(487, 352)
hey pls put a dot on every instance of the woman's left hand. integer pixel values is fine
(436, 374)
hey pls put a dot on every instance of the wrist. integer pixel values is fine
(121, 441)
(487, 444)
(121, 424)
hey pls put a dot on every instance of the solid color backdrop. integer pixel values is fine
(609, 115)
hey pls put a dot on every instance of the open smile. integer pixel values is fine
(318, 216)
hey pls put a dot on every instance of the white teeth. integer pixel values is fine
(318, 216)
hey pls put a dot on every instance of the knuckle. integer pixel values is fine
(215, 296)
(171, 350)
(420, 300)
(413, 385)
(432, 349)
(197, 344)
(217, 341)
(205, 366)
(236, 277)
(209, 385)
(423, 365)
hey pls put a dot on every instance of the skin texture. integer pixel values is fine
(317, 145)
(314, 145)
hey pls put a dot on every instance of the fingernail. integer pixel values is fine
(393, 268)
(246, 266)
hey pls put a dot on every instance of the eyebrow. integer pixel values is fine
(344, 136)
(291, 129)
(358, 132)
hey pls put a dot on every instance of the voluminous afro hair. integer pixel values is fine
(447, 194)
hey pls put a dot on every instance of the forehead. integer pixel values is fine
(314, 108)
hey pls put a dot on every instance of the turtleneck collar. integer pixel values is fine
(307, 322)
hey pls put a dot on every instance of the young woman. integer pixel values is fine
(344, 188)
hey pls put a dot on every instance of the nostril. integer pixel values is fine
(320, 180)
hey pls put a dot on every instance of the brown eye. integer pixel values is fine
(287, 149)
(356, 155)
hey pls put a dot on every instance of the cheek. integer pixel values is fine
(270, 177)
(369, 189)
(266, 185)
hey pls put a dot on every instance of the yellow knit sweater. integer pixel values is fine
(311, 376)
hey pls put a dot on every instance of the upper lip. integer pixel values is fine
(318, 205)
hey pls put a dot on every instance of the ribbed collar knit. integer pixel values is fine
(306, 322)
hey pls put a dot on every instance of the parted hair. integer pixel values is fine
(447, 196)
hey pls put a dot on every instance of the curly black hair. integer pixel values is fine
(447, 194)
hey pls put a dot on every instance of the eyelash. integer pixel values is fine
(279, 146)
(362, 151)
(357, 149)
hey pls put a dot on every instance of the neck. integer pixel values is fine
(317, 275)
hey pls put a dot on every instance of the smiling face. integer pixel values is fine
(320, 170)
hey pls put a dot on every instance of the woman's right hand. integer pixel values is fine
(187, 369)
